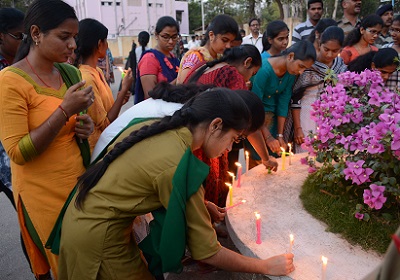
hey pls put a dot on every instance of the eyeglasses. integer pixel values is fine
(373, 32)
(166, 37)
(397, 31)
(19, 36)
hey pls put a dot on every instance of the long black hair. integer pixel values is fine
(165, 21)
(201, 109)
(322, 24)
(47, 15)
(90, 32)
(273, 29)
(355, 35)
(10, 18)
(381, 58)
(221, 24)
(143, 39)
(302, 50)
(233, 56)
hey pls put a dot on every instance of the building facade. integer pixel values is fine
(129, 17)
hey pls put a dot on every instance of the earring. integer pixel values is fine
(36, 41)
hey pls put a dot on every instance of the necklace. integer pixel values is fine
(34, 72)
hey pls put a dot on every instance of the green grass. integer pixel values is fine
(337, 211)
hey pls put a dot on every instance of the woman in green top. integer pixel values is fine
(273, 84)
(152, 168)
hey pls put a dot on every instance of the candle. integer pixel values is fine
(234, 205)
(230, 193)
(122, 72)
(283, 156)
(291, 238)
(258, 227)
(247, 161)
(239, 174)
(290, 153)
(324, 264)
(233, 177)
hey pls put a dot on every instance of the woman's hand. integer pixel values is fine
(217, 213)
(273, 144)
(76, 99)
(84, 126)
(279, 265)
(271, 164)
(127, 81)
(298, 135)
(282, 144)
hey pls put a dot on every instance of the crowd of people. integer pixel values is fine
(82, 175)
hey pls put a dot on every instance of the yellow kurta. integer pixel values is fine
(103, 101)
(43, 183)
(97, 242)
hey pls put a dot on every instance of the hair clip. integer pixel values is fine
(24, 37)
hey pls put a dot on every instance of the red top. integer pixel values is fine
(226, 76)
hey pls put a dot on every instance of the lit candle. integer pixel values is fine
(239, 174)
(247, 161)
(291, 238)
(290, 153)
(122, 72)
(324, 264)
(283, 156)
(234, 205)
(258, 227)
(233, 177)
(230, 193)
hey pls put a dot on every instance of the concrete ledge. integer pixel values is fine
(276, 197)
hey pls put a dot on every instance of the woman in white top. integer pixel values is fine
(143, 39)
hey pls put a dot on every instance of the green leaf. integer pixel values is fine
(392, 181)
(387, 216)
(366, 217)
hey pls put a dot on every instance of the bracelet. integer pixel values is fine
(63, 111)
(280, 135)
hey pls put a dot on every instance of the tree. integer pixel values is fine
(194, 7)
(18, 4)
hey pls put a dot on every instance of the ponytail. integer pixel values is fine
(92, 176)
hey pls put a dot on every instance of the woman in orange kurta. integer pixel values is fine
(92, 45)
(39, 125)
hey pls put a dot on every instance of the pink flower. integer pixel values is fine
(312, 169)
(374, 198)
(359, 216)
(304, 161)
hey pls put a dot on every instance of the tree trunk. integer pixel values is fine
(252, 8)
(280, 6)
(335, 10)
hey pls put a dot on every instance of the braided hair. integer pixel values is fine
(201, 109)
(233, 56)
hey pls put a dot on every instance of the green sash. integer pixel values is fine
(165, 246)
(71, 76)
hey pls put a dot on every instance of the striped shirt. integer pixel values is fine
(302, 31)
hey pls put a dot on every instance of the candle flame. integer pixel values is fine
(283, 150)
(324, 260)
(238, 164)
(231, 174)
(291, 237)
(121, 69)
(247, 154)
(290, 145)
(244, 201)
(229, 185)
(258, 216)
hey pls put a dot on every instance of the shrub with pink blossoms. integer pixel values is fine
(358, 140)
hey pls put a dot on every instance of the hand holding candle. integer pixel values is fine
(236, 204)
(258, 227)
(122, 72)
(239, 174)
(283, 157)
(324, 265)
